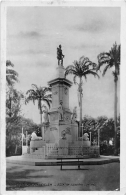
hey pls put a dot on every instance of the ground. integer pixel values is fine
(104, 177)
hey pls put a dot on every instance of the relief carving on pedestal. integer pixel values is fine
(54, 117)
(55, 92)
(64, 132)
(67, 117)
(68, 131)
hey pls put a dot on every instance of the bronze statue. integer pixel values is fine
(60, 55)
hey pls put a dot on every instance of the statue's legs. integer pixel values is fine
(62, 62)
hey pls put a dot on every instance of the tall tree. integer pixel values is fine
(112, 59)
(81, 69)
(11, 75)
(13, 102)
(41, 94)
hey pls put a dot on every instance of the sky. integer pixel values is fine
(33, 35)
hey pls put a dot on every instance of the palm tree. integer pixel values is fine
(81, 69)
(41, 94)
(112, 59)
(11, 75)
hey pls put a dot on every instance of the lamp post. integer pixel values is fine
(82, 134)
(90, 138)
(98, 136)
(82, 138)
(26, 139)
(22, 140)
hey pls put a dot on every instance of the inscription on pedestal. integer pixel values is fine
(53, 129)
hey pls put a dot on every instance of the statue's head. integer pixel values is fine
(59, 46)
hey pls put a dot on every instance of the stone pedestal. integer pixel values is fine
(37, 144)
(74, 131)
(63, 147)
(60, 114)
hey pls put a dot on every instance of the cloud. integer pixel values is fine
(30, 34)
(97, 20)
(92, 27)
(29, 52)
(85, 46)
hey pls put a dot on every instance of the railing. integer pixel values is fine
(51, 148)
(54, 150)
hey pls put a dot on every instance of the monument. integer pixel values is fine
(60, 129)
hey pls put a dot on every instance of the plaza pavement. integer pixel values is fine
(55, 162)
(105, 177)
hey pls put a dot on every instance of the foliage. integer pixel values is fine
(106, 128)
(11, 75)
(14, 127)
(13, 102)
(110, 59)
(41, 94)
(81, 68)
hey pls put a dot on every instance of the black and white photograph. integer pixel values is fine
(61, 80)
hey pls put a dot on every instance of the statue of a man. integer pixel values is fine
(45, 112)
(74, 116)
(60, 109)
(60, 55)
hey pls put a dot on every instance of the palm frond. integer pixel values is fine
(111, 58)
(11, 75)
(92, 73)
(49, 96)
(30, 98)
(11, 72)
(74, 79)
(41, 94)
(70, 71)
(45, 89)
(9, 63)
(11, 79)
(105, 69)
(48, 102)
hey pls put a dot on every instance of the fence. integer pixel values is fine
(54, 150)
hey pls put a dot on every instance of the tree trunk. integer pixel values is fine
(41, 122)
(10, 114)
(115, 119)
(80, 106)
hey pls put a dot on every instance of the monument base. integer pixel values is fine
(41, 150)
